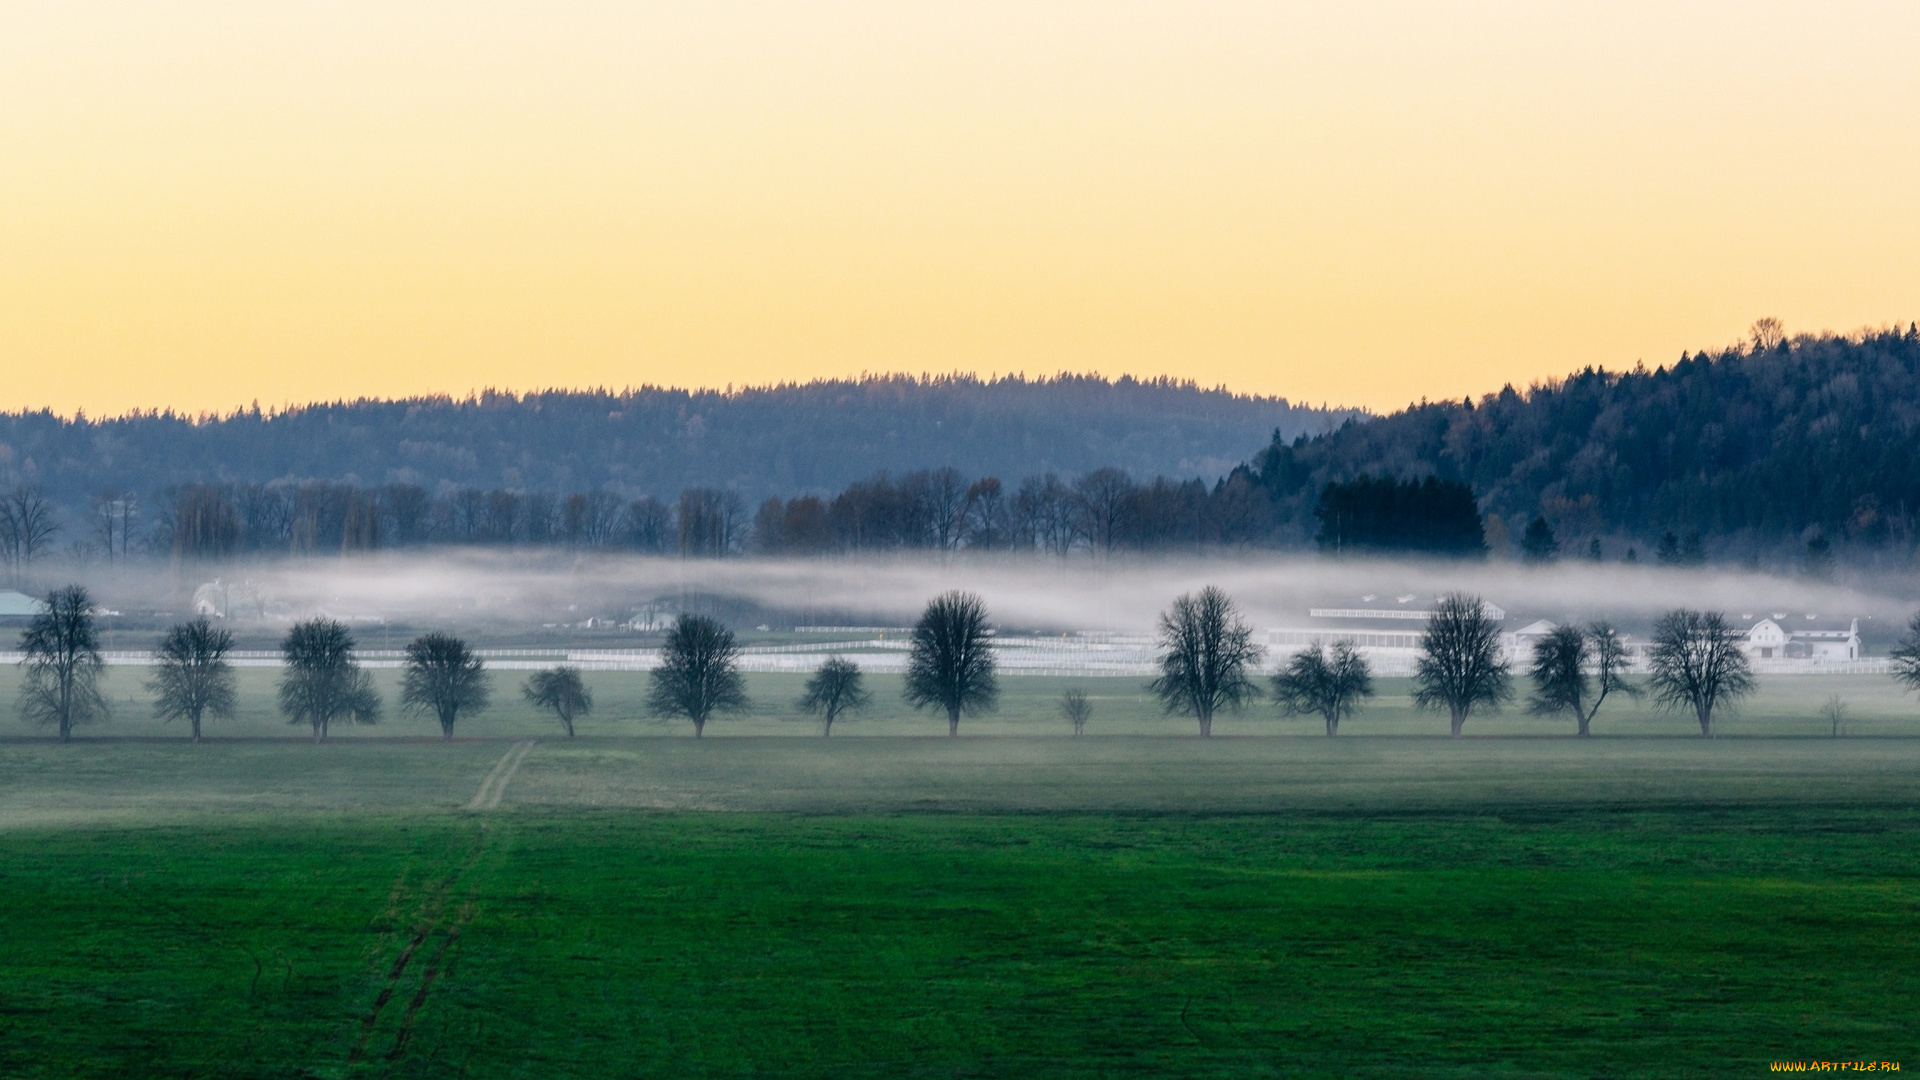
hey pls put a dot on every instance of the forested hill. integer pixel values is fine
(1752, 447)
(786, 439)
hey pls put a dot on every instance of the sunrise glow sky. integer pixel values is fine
(205, 204)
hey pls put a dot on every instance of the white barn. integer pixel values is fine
(1785, 637)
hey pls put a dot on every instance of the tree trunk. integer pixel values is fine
(953, 723)
(567, 722)
(1584, 721)
(1459, 721)
(196, 726)
(1333, 726)
(1206, 725)
(699, 726)
(446, 727)
(1706, 722)
(66, 729)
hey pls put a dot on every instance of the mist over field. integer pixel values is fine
(1125, 595)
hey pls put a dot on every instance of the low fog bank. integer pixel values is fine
(478, 588)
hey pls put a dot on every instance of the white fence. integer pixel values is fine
(1093, 654)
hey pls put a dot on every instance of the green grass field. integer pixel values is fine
(1786, 705)
(1387, 904)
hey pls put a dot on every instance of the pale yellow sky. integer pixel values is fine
(204, 204)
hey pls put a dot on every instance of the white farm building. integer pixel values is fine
(1786, 637)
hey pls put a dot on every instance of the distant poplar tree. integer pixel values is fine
(191, 676)
(561, 691)
(1328, 683)
(1206, 650)
(950, 663)
(699, 674)
(322, 681)
(62, 658)
(1697, 664)
(444, 677)
(836, 687)
(1460, 666)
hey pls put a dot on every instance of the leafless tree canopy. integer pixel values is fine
(1834, 712)
(27, 525)
(322, 681)
(1077, 710)
(1329, 683)
(1697, 664)
(191, 677)
(950, 665)
(445, 678)
(562, 691)
(1206, 652)
(1561, 683)
(1906, 655)
(63, 665)
(1460, 666)
(699, 673)
(834, 688)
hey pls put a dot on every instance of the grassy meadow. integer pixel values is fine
(1137, 902)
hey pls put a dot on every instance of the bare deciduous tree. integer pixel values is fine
(1329, 683)
(834, 688)
(27, 525)
(560, 690)
(1697, 664)
(443, 677)
(950, 663)
(191, 677)
(1561, 684)
(1206, 651)
(1101, 497)
(1834, 712)
(322, 681)
(62, 661)
(1460, 666)
(1077, 710)
(698, 674)
(1905, 655)
(986, 515)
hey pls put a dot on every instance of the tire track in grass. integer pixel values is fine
(434, 967)
(428, 915)
(495, 785)
(500, 786)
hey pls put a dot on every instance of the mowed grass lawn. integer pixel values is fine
(903, 907)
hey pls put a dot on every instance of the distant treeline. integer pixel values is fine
(781, 440)
(1797, 445)
(1103, 511)
(1806, 446)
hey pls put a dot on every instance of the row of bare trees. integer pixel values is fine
(1101, 512)
(1208, 657)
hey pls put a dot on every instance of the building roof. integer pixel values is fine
(17, 603)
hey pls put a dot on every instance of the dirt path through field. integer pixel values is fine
(495, 785)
